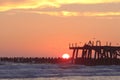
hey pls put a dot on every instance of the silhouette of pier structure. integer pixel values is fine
(95, 54)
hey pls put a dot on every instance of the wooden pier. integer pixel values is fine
(94, 54)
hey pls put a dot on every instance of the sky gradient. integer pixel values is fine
(43, 28)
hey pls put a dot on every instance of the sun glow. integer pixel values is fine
(65, 56)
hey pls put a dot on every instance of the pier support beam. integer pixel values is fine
(75, 55)
(100, 52)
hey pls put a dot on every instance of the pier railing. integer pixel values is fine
(91, 51)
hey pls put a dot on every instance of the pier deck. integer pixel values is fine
(94, 53)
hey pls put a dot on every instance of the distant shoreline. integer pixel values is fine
(51, 60)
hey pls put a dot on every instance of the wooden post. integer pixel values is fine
(95, 55)
(73, 55)
(77, 53)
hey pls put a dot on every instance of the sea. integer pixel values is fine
(26, 71)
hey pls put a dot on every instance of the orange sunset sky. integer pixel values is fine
(44, 28)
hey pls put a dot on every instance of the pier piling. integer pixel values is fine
(95, 53)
